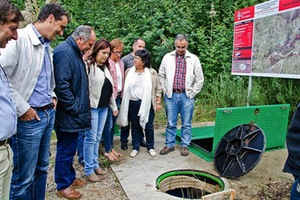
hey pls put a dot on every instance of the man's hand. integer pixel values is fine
(29, 115)
(54, 102)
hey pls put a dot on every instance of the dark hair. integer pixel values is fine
(145, 56)
(100, 44)
(136, 39)
(8, 9)
(55, 9)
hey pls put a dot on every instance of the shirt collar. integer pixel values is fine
(43, 40)
(180, 56)
(131, 56)
(187, 54)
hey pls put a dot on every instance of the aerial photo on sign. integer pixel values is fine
(267, 40)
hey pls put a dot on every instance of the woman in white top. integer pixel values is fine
(141, 98)
(100, 91)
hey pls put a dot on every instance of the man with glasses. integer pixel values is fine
(181, 79)
(10, 16)
(137, 44)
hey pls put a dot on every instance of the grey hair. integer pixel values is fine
(83, 32)
(181, 37)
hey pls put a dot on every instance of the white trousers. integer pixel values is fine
(6, 166)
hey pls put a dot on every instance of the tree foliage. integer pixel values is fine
(208, 24)
(158, 22)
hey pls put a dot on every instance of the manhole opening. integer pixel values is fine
(205, 144)
(189, 184)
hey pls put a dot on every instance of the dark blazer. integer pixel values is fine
(292, 164)
(73, 112)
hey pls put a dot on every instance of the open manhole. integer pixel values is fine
(189, 184)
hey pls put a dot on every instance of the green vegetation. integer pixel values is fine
(209, 26)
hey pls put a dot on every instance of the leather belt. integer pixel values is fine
(119, 94)
(178, 91)
(4, 142)
(50, 105)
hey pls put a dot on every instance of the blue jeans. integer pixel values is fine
(92, 140)
(80, 146)
(295, 192)
(179, 103)
(31, 147)
(108, 132)
(66, 146)
(137, 129)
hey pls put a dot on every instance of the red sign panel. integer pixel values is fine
(288, 4)
(244, 14)
(243, 34)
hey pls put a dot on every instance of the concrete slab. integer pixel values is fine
(138, 175)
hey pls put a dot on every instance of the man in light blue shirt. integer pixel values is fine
(28, 65)
(10, 16)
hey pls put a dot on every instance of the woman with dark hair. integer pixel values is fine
(140, 100)
(100, 91)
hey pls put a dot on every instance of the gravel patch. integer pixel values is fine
(109, 188)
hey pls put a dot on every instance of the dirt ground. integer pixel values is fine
(108, 189)
(265, 182)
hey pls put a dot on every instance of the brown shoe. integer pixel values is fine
(100, 171)
(78, 183)
(93, 178)
(166, 150)
(184, 151)
(69, 193)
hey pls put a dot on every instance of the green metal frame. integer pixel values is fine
(272, 119)
(117, 130)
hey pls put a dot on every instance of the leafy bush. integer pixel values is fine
(209, 26)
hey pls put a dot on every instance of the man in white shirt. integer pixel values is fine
(181, 79)
(27, 62)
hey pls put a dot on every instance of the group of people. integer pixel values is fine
(81, 89)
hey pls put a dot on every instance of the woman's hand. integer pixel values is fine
(115, 113)
(158, 107)
(158, 103)
(158, 100)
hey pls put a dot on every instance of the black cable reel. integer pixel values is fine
(239, 150)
